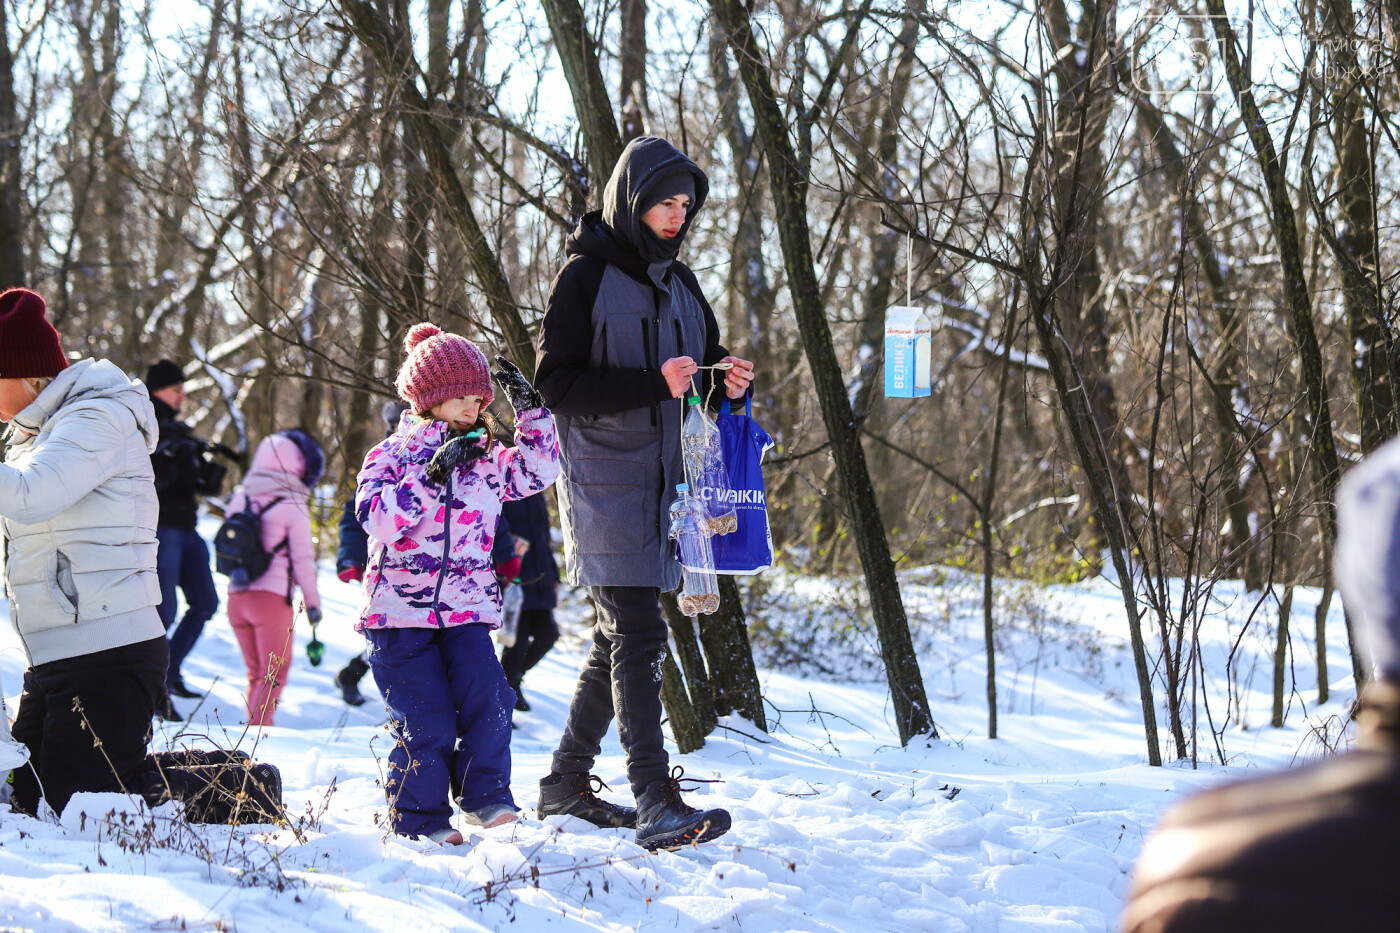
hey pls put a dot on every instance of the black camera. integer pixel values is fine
(208, 475)
(194, 453)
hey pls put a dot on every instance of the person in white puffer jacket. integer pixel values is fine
(78, 516)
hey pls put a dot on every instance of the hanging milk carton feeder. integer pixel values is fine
(908, 353)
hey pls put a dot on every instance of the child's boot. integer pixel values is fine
(348, 680)
(492, 815)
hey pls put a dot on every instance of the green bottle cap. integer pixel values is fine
(692, 400)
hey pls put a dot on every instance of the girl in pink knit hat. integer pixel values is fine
(430, 496)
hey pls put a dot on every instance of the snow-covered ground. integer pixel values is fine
(836, 827)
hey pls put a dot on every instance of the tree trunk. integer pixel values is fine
(702, 691)
(180, 171)
(117, 191)
(1075, 191)
(1295, 288)
(1289, 479)
(632, 60)
(393, 53)
(686, 726)
(985, 509)
(360, 435)
(1285, 608)
(585, 76)
(725, 635)
(751, 294)
(11, 191)
(1324, 689)
(1082, 434)
(1369, 337)
(1077, 183)
(788, 184)
(1227, 378)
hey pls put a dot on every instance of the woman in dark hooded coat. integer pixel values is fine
(625, 330)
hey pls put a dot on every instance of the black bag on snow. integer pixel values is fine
(238, 546)
(215, 786)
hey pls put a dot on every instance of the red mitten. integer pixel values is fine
(351, 573)
(508, 569)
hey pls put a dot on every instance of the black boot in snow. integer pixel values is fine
(168, 712)
(664, 821)
(575, 794)
(348, 680)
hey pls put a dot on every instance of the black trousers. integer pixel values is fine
(621, 678)
(536, 634)
(118, 691)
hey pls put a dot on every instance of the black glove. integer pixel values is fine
(522, 395)
(313, 615)
(460, 451)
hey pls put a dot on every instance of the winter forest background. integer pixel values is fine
(1150, 238)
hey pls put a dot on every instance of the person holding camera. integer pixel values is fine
(183, 473)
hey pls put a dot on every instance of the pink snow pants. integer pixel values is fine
(263, 623)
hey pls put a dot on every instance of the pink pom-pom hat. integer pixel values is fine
(441, 366)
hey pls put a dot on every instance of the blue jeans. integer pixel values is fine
(451, 709)
(183, 560)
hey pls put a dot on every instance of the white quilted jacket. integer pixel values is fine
(78, 515)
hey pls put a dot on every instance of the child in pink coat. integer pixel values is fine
(285, 468)
(430, 496)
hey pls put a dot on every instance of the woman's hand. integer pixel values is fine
(678, 371)
(737, 379)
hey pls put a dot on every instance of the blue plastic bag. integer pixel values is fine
(749, 548)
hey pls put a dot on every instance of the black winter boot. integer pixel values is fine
(168, 712)
(348, 680)
(575, 794)
(664, 821)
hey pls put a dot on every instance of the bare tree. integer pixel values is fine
(11, 221)
(788, 184)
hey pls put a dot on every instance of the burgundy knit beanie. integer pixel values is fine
(29, 347)
(439, 367)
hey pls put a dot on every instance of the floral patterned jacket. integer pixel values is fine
(430, 545)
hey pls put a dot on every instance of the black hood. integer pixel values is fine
(593, 237)
(646, 162)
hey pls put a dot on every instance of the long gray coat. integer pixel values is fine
(611, 321)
